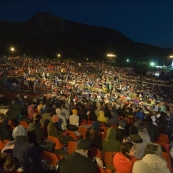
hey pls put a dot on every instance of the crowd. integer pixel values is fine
(122, 112)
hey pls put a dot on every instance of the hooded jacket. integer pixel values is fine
(122, 164)
(151, 163)
(110, 143)
(24, 152)
(102, 117)
(63, 125)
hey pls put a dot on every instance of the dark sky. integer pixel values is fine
(145, 21)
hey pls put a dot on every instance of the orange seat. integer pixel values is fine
(105, 129)
(163, 138)
(58, 145)
(24, 124)
(94, 152)
(121, 118)
(114, 126)
(102, 125)
(90, 122)
(51, 158)
(108, 159)
(11, 125)
(73, 135)
(101, 170)
(82, 131)
(166, 146)
(71, 146)
(83, 122)
(167, 157)
(6, 141)
(1, 145)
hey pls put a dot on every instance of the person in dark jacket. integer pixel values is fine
(78, 161)
(120, 131)
(93, 135)
(34, 134)
(23, 152)
(153, 130)
(14, 111)
(52, 130)
(5, 134)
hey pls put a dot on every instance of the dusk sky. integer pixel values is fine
(145, 21)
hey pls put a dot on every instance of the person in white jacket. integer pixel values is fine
(152, 162)
(64, 123)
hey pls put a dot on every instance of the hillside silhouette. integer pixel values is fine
(46, 35)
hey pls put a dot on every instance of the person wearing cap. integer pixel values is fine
(78, 161)
(138, 142)
(5, 134)
(52, 130)
(34, 133)
(25, 153)
(120, 131)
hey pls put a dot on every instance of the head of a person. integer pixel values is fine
(101, 113)
(58, 111)
(37, 118)
(2, 117)
(83, 144)
(95, 125)
(134, 136)
(127, 149)
(74, 111)
(9, 163)
(122, 123)
(19, 132)
(55, 119)
(152, 148)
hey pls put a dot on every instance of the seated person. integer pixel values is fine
(73, 121)
(26, 158)
(152, 161)
(52, 130)
(34, 133)
(94, 136)
(5, 134)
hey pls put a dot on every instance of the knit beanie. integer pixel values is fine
(55, 118)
